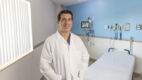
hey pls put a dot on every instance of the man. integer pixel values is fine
(64, 56)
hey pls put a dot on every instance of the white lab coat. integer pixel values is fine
(59, 60)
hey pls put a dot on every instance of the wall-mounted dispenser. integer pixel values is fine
(139, 27)
(127, 26)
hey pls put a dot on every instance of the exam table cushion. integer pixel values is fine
(112, 66)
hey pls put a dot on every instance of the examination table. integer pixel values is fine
(112, 66)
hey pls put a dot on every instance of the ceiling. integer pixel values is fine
(67, 2)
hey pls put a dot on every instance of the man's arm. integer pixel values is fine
(85, 60)
(45, 64)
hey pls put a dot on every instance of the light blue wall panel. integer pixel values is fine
(108, 12)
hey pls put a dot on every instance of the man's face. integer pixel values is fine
(65, 23)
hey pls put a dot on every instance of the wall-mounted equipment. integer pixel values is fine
(107, 27)
(139, 27)
(90, 20)
(120, 28)
(117, 28)
(84, 24)
(127, 26)
(88, 27)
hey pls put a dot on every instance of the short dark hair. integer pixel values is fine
(64, 12)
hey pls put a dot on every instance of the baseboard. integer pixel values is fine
(137, 74)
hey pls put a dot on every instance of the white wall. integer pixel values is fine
(98, 46)
(43, 18)
(43, 24)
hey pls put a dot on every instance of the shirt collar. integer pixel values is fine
(61, 37)
(58, 34)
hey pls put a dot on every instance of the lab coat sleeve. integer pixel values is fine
(46, 62)
(85, 60)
